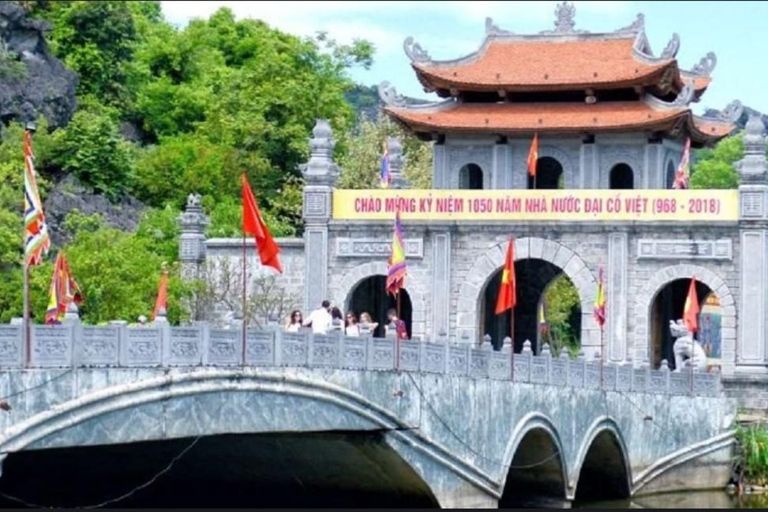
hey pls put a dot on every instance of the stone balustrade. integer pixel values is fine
(120, 345)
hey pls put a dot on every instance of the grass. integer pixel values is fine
(751, 462)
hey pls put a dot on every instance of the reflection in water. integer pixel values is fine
(701, 500)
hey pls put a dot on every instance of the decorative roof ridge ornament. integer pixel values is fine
(641, 47)
(389, 96)
(415, 52)
(670, 51)
(683, 99)
(732, 112)
(491, 29)
(636, 26)
(706, 65)
(565, 13)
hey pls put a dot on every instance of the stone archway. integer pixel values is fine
(569, 170)
(602, 468)
(342, 287)
(472, 290)
(644, 302)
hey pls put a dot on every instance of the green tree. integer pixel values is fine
(563, 313)
(92, 149)
(714, 168)
(361, 164)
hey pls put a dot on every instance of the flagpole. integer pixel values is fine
(512, 338)
(602, 354)
(397, 335)
(26, 314)
(244, 297)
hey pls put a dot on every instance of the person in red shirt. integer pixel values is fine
(400, 329)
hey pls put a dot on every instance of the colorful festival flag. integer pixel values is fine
(691, 308)
(396, 269)
(533, 156)
(508, 289)
(682, 173)
(64, 290)
(253, 224)
(162, 295)
(599, 312)
(36, 239)
(543, 327)
(385, 176)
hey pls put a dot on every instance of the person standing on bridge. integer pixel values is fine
(320, 319)
(400, 330)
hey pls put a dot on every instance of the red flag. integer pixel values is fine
(533, 156)
(508, 289)
(162, 295)
(254, 225)
(691, 309)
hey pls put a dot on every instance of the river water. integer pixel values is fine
(688, 500)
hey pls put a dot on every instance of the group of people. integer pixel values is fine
(326, 319)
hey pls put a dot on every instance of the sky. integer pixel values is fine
(735, 31)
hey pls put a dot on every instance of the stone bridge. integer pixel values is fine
(465, 427)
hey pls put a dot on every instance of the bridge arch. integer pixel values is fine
(645, 298)
(534, 462)
(486, 266)
(602, 468)
(192, 396)
(341, 291)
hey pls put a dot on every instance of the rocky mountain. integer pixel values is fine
(742, 122)
(32, 81)
(68, 195)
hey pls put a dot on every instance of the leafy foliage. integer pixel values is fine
(714, 168)
(361, 163)
(752, 453)
(563, 313)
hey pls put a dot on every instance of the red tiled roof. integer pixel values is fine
(713, 129)
(545, 65)
(529, 117)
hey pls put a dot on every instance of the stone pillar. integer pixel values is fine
(616, 290)
(653, 168)
(502, 167)
(320, 175)
(192, 240)
(589, 164)
(396, 163)
(439, 174)
(753, 225)
(441, 283)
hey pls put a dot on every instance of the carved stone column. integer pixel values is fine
(192, 241)
(653, 175)
(501, 177)
(752, 337)
(616, 284)
(320, 175)
(589, 174)
(439, 172)
(396, 163)
(441, 283)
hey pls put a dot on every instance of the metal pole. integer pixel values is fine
(27, 320)
(244, 297)
(602, 355)
(397, 335)
(512, 344)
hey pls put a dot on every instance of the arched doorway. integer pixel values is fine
(559, 317)
(370, 296)
(471, 177)
(533, 278)
(549, 175)
(536, 474)
(603, 473)
(670, 174)
(622, 177)
(668, 306)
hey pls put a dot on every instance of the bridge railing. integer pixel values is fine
(160, 345)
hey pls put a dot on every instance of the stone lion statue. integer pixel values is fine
(687, 351)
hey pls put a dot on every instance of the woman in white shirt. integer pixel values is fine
(351, 328)
(294, 322)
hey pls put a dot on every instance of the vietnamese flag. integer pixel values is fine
(691, 309)
(254, 225)
(162, 296)
(508, 289)
(533, 156)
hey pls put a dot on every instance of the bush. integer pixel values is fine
(752, 453)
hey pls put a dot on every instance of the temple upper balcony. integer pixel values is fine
(608, 112)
